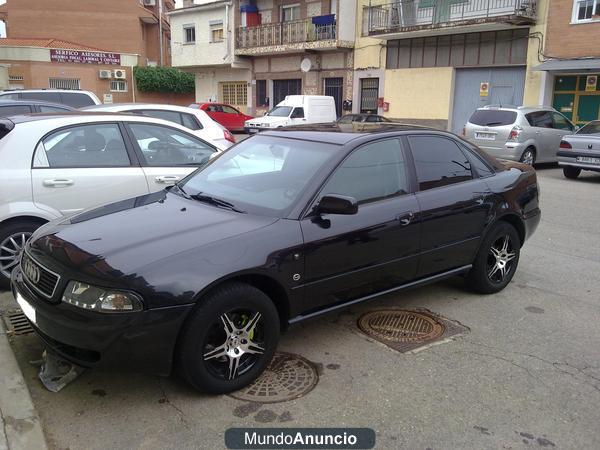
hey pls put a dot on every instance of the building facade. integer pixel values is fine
(119, 26)
(433, 62)
(251, 54)
(572, 68)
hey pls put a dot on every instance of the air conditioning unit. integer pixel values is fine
(105, 74)
(149, 2)
(120, 74)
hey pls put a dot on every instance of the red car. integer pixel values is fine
(226, 115)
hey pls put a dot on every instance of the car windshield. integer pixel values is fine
(262, 175)
(590, 128)
(493, 118)
(280, 111)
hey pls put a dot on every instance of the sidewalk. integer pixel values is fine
(20, 425)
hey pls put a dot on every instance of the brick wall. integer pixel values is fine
(564, 40)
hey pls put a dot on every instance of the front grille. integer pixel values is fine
(38, 277)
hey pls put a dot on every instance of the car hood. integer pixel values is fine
(122, 237)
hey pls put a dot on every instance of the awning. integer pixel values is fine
(569, 65)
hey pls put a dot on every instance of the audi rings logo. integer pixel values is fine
(31, 271)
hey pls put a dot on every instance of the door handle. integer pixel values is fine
(406, 219)
(58, 183)
(167, 179)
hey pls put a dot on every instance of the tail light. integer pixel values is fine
(228, 136)
(565, 145)
(515, 133)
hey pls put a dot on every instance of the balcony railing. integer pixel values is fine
(410, 14)
(292, 32)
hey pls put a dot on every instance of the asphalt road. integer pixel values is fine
(527, 375)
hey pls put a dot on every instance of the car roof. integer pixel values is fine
(12, 91)
(24, 118)
(118, 106)
(33, 102)
(334, 133)
(523, 109)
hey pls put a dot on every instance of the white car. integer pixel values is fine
(55, 165)
(195, 119)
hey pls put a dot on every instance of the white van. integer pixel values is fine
(295, 110)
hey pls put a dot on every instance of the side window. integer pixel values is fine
(53, 97)
(12, 110)
(13, 96)
(167, 147)
(540, 119)
(51, 109)
(97, 145)
(372, 119)
(438, 162)
(171, 116)
(561, 123)
(346, 119)
(482, 168)
(229, 110)
(298, 113)
(76, 99)
(373, 172)
(189, 121)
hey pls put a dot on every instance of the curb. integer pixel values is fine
(20, 425)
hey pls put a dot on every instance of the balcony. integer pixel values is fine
(281, 37)
(438, 15)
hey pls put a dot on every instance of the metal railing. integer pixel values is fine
(292, 32)
(414, 13)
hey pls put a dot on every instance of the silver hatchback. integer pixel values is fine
(528, 134)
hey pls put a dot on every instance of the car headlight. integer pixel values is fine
(99, 299)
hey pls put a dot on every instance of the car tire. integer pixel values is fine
(215, 333)
(571, 172)
(12, 238)
(496, 260)
(528, 156)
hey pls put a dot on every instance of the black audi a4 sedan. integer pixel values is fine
(284, 226)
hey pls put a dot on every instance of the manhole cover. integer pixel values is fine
(405, 330)
(17, 323)
(288, 377)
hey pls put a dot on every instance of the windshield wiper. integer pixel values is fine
(215, 201)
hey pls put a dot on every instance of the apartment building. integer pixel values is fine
(572, 68)
(434, 62)
(252, 53)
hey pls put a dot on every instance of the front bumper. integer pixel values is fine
(252, 130)
(139, 341)
(569, 158)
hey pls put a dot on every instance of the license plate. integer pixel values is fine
(588, 159)
(485, 136)
(27, 309)
(252, 130)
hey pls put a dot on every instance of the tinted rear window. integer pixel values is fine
(493, 118)
(11, 110)
(76, 99)
(590, 128)
(53, 97)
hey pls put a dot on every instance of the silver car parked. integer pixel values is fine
(528, 134)
(581, 151)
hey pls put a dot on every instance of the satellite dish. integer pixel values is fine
(305, 65)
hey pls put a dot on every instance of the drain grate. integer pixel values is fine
(17, 323)
(405, 330)
(289, 376)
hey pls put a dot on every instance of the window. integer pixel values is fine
(76, 99)
(439, 162)
(561, 123)
(373, 172)
(234, 93)
(13, 110)
(290, 12)
(52, 109)
(53, 97)
(261, 93)
(229, 110)
(298, 113)
(64, 83)
(118, 86)
(99, 145)
(189, 34)
(216, 31)
(167, 147)
(348, 118)
(590, 128)
(493, 118)
(586, 10)
(189, 121)
(540, 119)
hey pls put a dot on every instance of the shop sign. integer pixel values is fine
(84, 57)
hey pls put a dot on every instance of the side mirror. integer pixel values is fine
(337, 204)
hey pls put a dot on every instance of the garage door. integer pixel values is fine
(506, 85)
